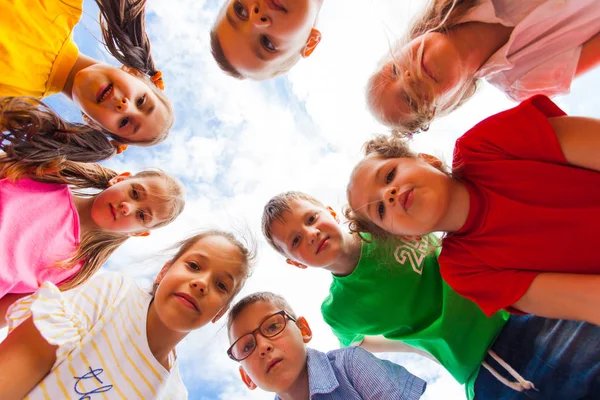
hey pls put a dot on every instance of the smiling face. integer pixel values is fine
(257, 36)
(129, 205)
(309, 234)
(198, 286)
(277, 362)
(120, 102)
(404, 196)
(409, 82)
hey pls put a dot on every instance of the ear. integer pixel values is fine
(87, 120)
(311, 43)
(220, 314)
(246, 379)
(305, 329)
(119, 178)
(162, 272)
(141, 234)
(295, 263)
(413, 238)
(333, 214)
(431, 160)
(132, 71)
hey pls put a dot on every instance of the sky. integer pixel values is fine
(235, 144)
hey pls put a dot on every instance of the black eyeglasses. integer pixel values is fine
(273, 325)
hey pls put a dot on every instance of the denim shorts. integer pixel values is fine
(561, 358)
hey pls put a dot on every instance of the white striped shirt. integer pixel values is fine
(100, 331)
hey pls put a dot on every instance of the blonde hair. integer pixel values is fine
(95, 246)
(438, 16)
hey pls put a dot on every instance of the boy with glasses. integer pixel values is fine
(269, 342)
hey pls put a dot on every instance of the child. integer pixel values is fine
(40, 58)
(522, 47)
(262, 40)
(51, 230)
(269, 342)
(519, 208)
(395, 289)
(110, 337)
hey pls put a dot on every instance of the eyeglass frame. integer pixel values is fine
(285, 315)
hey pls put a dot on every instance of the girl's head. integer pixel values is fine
(197, 285)
(128, 103)
(395, 191)
(423, 77)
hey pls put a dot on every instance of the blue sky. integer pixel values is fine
(236, 144)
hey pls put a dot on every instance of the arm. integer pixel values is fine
(579, 139)
(563, 296)
(590, 55)
(25, 359)
(6, 302)
(380, 344)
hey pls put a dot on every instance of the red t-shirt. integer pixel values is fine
(530, 211)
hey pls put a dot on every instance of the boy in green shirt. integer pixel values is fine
(390, 297)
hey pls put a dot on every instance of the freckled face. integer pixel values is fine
(120, 102)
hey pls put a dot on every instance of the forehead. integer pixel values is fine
(220, 251)
(156, 193)
(363, 173)
(250, 318)
(390, 93)
(290, 220)
(155, 123)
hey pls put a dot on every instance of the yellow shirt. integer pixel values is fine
(37, 50)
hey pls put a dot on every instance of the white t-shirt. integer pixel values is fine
(100, 331)
(543, 50)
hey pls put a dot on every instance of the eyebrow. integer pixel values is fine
(204, 257)
(232, 21)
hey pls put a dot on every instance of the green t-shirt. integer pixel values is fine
(397, 291)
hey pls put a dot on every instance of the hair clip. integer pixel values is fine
(118, 146)
(158, 80)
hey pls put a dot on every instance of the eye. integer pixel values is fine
(311, 219)
(390, 176)
(381, 210)
(135, 194)
(248, 346)
(274, 327)
(295, 241)
(193, 265)
(239, 10)
(222, 286)
(267, 44)
(141, 101)
(141, 215)
(394, 70)
(124, 122)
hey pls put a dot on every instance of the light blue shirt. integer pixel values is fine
(352, 373)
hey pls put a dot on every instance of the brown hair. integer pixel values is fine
(95, 246)
(247, 251)
(276, 207)
(438, 16)
(267, 297)
(386, 147)
(123, 24)
(33, 132)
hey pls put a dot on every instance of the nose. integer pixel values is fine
(125, 208)
(258, 16)
(122, 105)
(263, 344)
(199, 284)
(313, 235)
(389, 196)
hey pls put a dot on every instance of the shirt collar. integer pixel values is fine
(321, 376)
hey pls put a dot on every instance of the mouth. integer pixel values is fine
(273, 363)
(104, 93)
(424, 68)
(275, 5)
(406, 199)
(113, 211)
(322, 245)
(187, 300)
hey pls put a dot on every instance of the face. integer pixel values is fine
(404, 196)
(257, 35)
(309, 234)
(276, 362)
(128, 205)
(405, 83)
(197, 287)
(120, 102)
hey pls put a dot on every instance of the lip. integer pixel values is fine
(113, 211)
(322, 245)
(424, 68)
(406, 199)
(275, 5)
(104, 93)
(187, 300)
(273, 363)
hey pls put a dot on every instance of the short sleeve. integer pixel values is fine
(64, 318)
(377, 379)
(522, 133)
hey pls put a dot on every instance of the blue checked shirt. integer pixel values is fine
(352, 373)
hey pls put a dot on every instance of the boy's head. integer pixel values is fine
(268, 341)
(261, 39)
(302, 229)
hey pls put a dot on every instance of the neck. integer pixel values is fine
(81, 63)
(476, 42)
(299, 390)
(348, 261)
(458, 209)
(161, 339)
(84, 209)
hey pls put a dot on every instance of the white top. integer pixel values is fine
(543, 50)
(100, 330)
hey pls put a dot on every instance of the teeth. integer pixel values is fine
(106, 93)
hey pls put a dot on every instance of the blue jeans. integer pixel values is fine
(561, 358)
